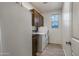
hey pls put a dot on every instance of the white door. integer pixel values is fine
(66, 28)
(75, 30)
(16, 29)
(70, 29)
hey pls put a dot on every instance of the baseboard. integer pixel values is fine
(4, 54)
(55, 43)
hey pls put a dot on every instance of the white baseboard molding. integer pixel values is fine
(4, 54)
(54, 43)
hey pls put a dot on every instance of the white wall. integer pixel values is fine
(54, 34)
(16, 28)
(66, 27)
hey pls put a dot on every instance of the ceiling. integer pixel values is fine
(47, 7)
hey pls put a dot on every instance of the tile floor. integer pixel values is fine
(52, 50)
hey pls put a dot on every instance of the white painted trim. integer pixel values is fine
(55, 43)
(4, 54)
(64, 52)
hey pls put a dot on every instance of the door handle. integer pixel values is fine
(69, 43)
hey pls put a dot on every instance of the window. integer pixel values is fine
(55, 21)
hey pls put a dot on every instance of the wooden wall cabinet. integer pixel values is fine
(37, 18)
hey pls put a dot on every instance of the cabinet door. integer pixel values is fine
(34, 44)
(37, 19)
(40, 20)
